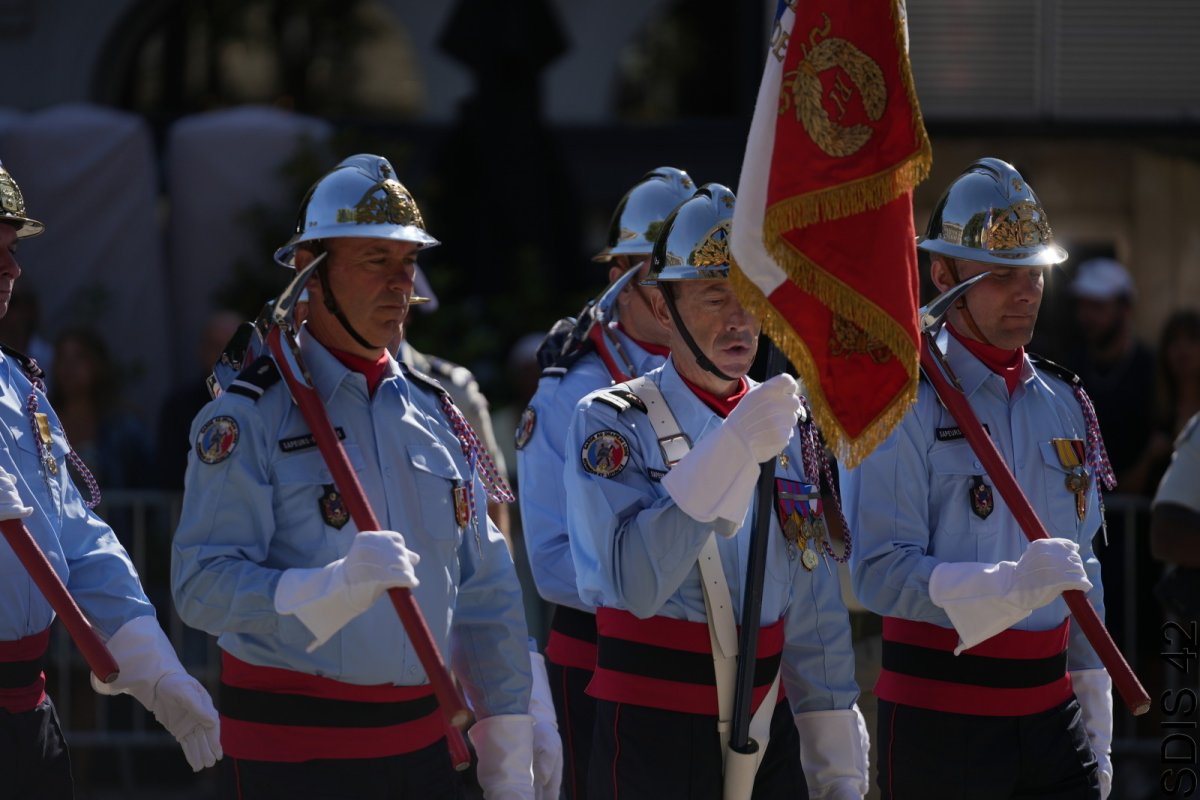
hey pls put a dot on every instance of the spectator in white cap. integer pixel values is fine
(1110, 360)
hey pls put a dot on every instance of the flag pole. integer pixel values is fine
(760, 534)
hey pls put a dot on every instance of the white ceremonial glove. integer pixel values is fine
(151, 672)
(547, 744)
(325, 599)
(984, 599)
(716, 479)
(1093, 688)
(11, 506)
(504, 747)
(835, 753)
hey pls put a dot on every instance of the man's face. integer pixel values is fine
(10, 270)
(1004, 306)
(723, 330)
(372, 281)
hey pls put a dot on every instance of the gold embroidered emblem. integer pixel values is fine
(802, 90)
(385, 202)
(848, 339)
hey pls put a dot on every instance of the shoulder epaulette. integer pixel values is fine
(254, 380)
(621, 399)
(1057, 370)
(30, 367)
(425, 381)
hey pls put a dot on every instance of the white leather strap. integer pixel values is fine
(718, 603)
(672, 441)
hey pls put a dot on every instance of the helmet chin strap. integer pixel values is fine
(331, 305)
(705, 363)
(961, 305)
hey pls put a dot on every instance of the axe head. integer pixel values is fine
(932, 315)
(285, 304)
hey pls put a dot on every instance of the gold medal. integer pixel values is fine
(792, 530)
(809, 559)
(43, 432)
(1072, 455)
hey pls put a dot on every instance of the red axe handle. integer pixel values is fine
(1128, 685)
(346, 480)
(99, 660)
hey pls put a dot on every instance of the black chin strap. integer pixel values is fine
(331, 305)
(705, 363)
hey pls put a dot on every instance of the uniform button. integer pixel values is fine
(978, 465)
(412, 670)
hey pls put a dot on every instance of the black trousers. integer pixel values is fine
(576, 713)
(423, 775)
(931, 755)
(34, 762)
(646, 753)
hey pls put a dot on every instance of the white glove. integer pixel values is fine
(1093, 688)
(327, 598)
(716, 479)
(984, 599)
(504, 747)
(11, 506)
(151, 672)
(835, 753)
(547, 744)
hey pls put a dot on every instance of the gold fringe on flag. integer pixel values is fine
(849, 450)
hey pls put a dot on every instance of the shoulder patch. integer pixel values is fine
(525, 426)
(605, 453)
(217, 439)
(254, 380)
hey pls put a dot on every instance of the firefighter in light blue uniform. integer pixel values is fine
(316, 662)
(36, 488)
(636, 537)
(977, 645)
(606, 352)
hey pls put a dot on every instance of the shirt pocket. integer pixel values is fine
(441, 489)
(313, 524)
(962, 503)
(1062, 516)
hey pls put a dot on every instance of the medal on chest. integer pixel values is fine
(1071, 456)
(462, 504)
(42, 422)
(333, 508)
(799, 508)
(982, 502)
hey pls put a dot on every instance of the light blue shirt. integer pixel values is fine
(540, 468)
(80, 546)
(634, 549)
(909, 502)
(256, 513)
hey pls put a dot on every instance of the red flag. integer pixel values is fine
(823, 238)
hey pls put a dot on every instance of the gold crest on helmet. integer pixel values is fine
(393, 205)
(714, 250)
(11, 199)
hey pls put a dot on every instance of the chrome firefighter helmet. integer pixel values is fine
(12, 207)
(640, 214)
(990, 214)
(360, 197)
(694, 243)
